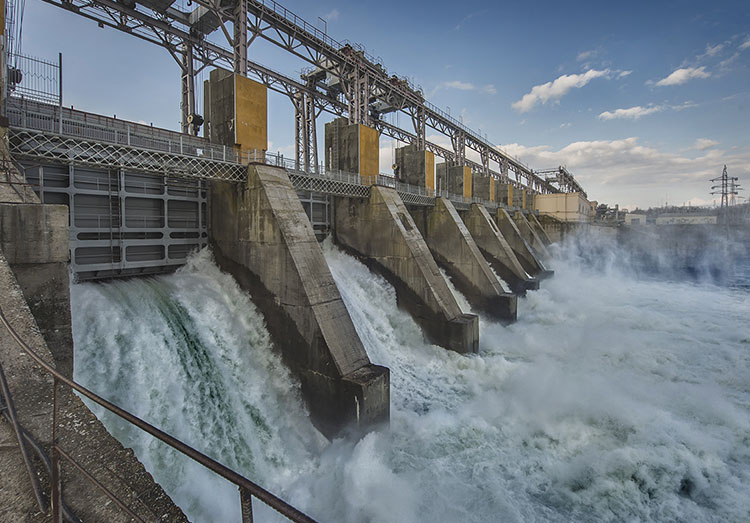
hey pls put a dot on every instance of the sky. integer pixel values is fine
(644, 102)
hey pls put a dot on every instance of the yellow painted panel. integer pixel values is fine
(250, 114)
(510, 195)
(467, 181)
(369, 152)
(523, 199)
(429, 170)
(492, 189)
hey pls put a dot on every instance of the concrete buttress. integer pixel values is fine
(497, 250)
(530, 235)
(543, 236)
(455, 250)
(383, 233)
(261, 235)
(526, 255)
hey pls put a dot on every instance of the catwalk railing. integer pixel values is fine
(45, 132)
(247, 488)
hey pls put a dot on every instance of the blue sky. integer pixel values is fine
(644, 102)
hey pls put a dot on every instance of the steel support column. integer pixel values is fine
(188, 89)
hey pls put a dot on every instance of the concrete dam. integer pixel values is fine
(194, 327)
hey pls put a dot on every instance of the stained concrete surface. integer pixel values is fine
(383, 234)
(261, 235)
(455, 250)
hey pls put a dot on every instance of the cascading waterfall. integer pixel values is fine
(612, 398)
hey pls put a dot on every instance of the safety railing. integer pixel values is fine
(247, 488)
(30, 114)
(35, 79)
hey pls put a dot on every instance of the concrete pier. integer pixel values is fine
(483, 187)
(236, 112)
(530, 235)
(261, 235)
(416, 167)
(352, 148)
(526, 255)
(383, 233)
(504, 194)
(456, 251)
(497, 250)
(534, 222)
(455, 179)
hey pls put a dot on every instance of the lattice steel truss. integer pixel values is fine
(328, 185)
(48, 146)
(562, 178)
(363, 88)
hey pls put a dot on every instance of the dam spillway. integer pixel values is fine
(568, 414)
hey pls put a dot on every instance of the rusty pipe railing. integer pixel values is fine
(247, 488)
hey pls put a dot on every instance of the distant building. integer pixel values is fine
(635, 218)
(685, 219)
(566, 207)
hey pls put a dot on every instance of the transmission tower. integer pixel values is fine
(726, 187)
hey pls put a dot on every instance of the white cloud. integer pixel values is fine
(680, 76)
(704, 143)
(632, 113)
(565, 125)
(745, 45)
(712, 50)
(331, 16)
(585, 55)
(623, 74)
(627, 162)
(466, 86)
(458, 84)
(556, 89)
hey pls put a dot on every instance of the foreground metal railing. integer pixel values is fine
(247, 488)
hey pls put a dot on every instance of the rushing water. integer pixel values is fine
(615, 397)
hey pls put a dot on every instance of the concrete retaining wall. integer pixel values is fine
(34, 239)
(455, 250)
(261, 235)
(383, 233)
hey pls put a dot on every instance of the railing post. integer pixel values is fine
(225, 153)
(246, 503)
(181, 145)
(56, 494)
(60, 87)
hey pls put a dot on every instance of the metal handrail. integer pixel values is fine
(246, 487)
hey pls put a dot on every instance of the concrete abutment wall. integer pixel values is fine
(382, 232)
(262, 236)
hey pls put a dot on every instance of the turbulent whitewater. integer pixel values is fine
(615, 397)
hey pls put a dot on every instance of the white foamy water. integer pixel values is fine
(613, 398)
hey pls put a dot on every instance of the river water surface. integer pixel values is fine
(615, 397)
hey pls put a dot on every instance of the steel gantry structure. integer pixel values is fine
(341, 78)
